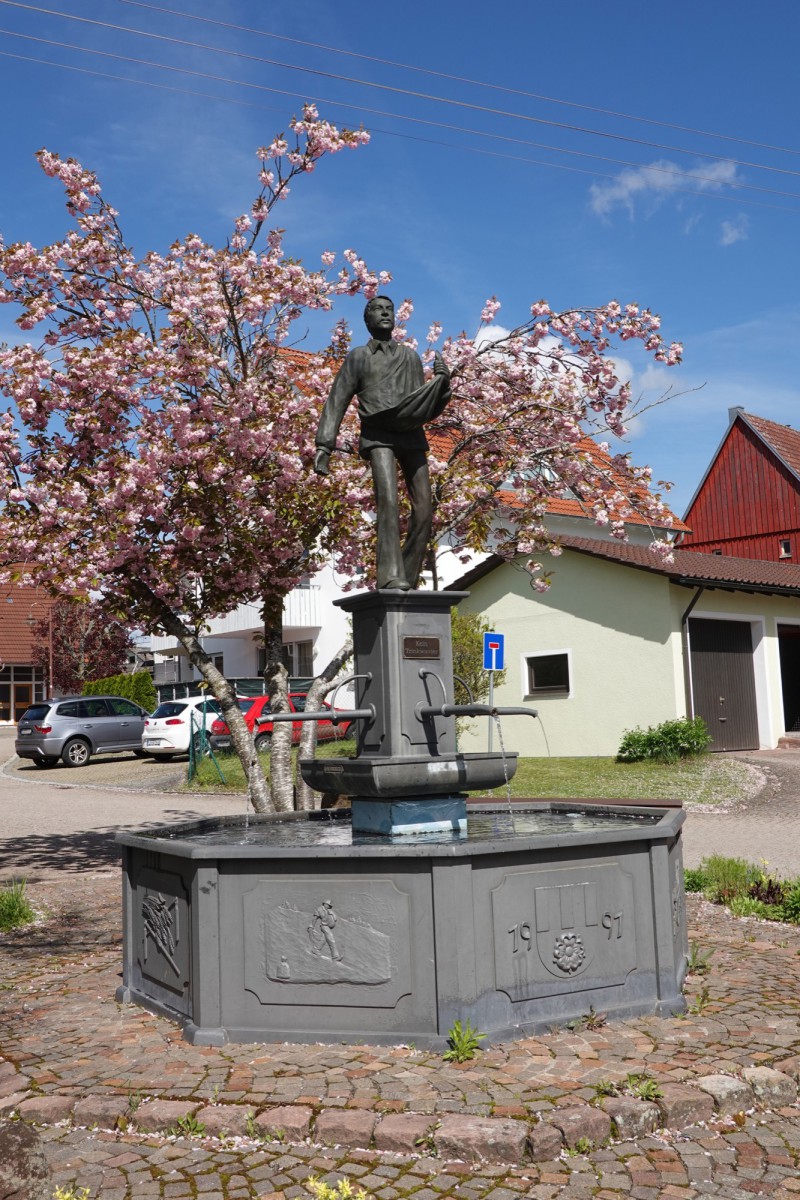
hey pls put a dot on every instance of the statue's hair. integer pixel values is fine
(372, 301)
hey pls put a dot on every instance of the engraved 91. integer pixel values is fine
(521, 933)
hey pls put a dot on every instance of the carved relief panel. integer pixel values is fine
(563, 930)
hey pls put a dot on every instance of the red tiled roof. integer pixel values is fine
(17, 604)
(687, 566)
(570, 506)
(782, 439)
(692, 567)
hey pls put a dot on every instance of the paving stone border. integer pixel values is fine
(457, 1136)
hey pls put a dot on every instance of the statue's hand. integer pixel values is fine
(439, 365)
(321, 461)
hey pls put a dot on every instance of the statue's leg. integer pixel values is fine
(415, 472)
(390, 572)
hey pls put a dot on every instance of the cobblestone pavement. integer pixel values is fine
(104, 1083)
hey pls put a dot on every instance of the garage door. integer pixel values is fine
(723, 682)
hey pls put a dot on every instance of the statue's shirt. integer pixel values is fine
(381, 374)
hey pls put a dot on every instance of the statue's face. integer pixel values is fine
(379, 317)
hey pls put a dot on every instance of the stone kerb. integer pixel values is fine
(496, 1139)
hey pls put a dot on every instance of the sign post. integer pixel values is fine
(494, 649)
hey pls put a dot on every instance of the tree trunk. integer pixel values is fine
(224, 693)
(277, 681)
(306, 797)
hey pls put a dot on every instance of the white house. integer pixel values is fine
(623, 639)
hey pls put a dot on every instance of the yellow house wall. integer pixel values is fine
(617, 624)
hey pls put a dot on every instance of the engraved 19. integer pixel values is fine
(519, 934)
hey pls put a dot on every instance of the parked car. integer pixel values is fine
(76, 727)
(258, 722)
(170, 728)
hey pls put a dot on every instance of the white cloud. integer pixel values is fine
(734, 231)
(656, 182)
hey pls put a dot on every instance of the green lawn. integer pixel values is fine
(708, 779)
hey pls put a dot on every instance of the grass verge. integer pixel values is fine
(705, 779)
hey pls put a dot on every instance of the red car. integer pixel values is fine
(257, 720)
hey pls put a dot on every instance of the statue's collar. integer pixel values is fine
(374, 345)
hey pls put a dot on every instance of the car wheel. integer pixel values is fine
(141, 754)
(41, 763)
(199, 745)
(263, 743)
(351, 733)
(76, 753)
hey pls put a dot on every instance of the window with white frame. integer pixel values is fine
(548, 674)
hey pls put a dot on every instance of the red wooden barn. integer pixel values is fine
(748, 501)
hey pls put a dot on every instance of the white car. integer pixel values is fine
(173, 724)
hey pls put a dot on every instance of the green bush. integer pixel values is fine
(694, 879)
(665, 743)
(791, 903)
(138, 687)
(725, 878)
(15, 910)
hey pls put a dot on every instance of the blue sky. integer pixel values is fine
(466, 191)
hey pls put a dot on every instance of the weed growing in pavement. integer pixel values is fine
(71, 1192)
(427, 1142)
(590, 1020)
(697, 962)
(642, 1085)
(701, 1000)
(463, 1041)
(15, 908)
(188, 1126)
(343, 1190)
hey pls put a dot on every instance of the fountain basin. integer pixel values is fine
(294, 928)
(401, 776)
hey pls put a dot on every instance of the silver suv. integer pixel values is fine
(76, 727)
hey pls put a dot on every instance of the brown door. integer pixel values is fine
(723, 683)
(23, 697)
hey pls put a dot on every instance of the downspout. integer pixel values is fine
(687, 661)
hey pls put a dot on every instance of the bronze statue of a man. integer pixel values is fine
(394, 402)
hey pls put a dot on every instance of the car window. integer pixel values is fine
(299, 703)
(123, 708)
(171, 708)
(93, 706)
(246, 704)
(36, 712)
(71, 709)
(210, 705)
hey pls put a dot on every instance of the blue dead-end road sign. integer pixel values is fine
(494, 648)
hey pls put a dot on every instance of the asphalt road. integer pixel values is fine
(65, 819)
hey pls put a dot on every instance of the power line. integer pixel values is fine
(497, 87)
(495, 112)
(386, 132)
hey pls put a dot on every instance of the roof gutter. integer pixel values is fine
(686, 649)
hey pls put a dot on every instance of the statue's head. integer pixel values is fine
(379, 315)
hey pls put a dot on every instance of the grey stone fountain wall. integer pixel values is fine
(393, 942)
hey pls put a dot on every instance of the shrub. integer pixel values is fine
(138, 687)
(694, 879)
(726, 878)
(791, 903)
(665, 743)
